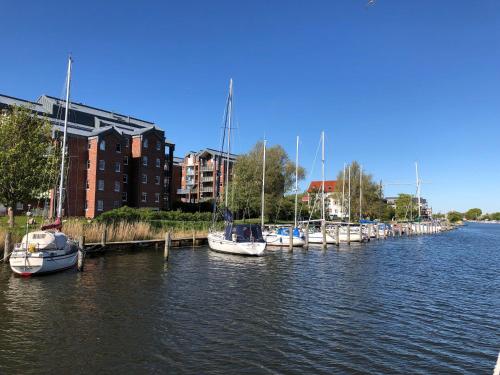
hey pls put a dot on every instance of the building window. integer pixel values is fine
(102, 164)
(117, 167)
(88, 164)
(158, 145)
(125, 178)
(144, 197)
(144, 178)
(100, 205)
(118, 147)
(127, 143)
(87, 185)
(86, 205)
(116, 204)
(102, 145)
(89, 145)
(145, 161)
(100, 185)
(158, 163)
(157, 180)
(117, 186)
(157, 197)
(145, 143)
(124, 196)
(125, 160)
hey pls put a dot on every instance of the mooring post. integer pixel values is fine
(166, 249)
(306, 235)
(194, 237)
(323, 232)
(348, 234)
(290, 237)
(337, 235)
(81, 253)
(377, 232)
(7, 246)
(104, 236)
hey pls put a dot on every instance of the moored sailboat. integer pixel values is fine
(48, 250)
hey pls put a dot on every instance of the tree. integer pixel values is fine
(405, 209)
(27, 157)
(454, 216)
(372, 204)
(473, 214)
(246, 185)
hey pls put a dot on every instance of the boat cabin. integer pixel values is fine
(243, 233)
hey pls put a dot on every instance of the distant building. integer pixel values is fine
(113, 159)
(332, 199)
(199, 172)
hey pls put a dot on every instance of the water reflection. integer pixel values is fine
(428, 302)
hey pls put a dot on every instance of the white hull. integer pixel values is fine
(217, 242)
(317, 237)
(27, 264)
(283, 240)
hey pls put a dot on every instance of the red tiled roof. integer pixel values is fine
(315, 186)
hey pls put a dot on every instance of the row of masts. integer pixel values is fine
(228, 127)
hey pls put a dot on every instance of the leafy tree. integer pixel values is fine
(405, 209)
(28, 158)
(245, 187)
(438, 216)
(473, 214)
(372, 204)
(495, 216)
(454, 216)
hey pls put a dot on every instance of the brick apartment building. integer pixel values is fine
(199, 172)
(113, 160)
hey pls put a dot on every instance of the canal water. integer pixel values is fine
(419, 305)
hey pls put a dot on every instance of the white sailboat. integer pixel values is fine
(48, 250)
(238, 239)
(280, 236)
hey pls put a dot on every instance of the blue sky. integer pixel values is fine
(391, 84)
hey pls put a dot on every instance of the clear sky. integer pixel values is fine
(391, 84)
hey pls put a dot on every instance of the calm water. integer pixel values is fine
(412, 305)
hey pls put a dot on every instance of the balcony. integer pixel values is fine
(207, 189)
(207, 179)
(207, 168)
(190, 172)
(182, 191)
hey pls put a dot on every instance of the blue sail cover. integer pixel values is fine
(228, 216)
(243, 232)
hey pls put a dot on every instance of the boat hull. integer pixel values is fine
(217, 242)
(280, 240)
(32, 264)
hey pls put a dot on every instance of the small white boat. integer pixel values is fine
(317, 237)
(43, 252)
(239, 239)
(281, 237)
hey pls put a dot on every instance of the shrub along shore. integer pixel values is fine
(122, 224)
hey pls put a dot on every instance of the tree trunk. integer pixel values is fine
(10, 212)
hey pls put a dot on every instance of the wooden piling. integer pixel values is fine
(337, 235)
(81, 253)
(377, 232)
(7, 246)
(194, 237)
(306, 235)
(167, 246)
(104, 236)
(290, 237)
(323, 232)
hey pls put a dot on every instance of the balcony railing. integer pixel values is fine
(207, 189)
(207, 179)
(207, 168)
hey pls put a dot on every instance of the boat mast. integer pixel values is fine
(349, 193)
(229, 109)
(63, 151)
(360, 191)
(418, 189)
(296, 180)
(342, 208)
(263, 183)
(323, 175)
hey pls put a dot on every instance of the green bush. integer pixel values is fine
(129, 214)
